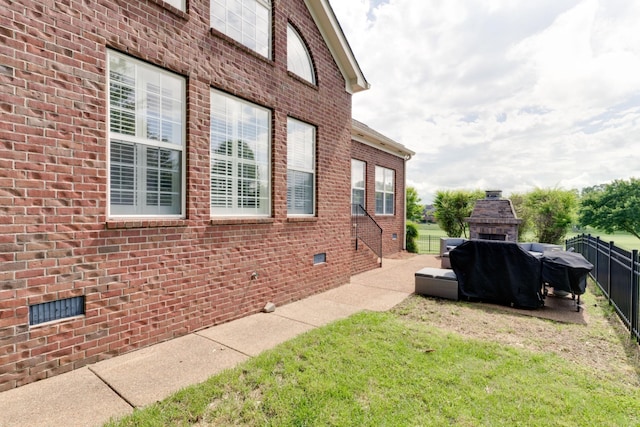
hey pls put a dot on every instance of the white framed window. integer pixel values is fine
(385, 191)
(147, 121)
(358, 182)
(246, 21)
(298, 58)
(301, 161)
(178, 4)
(240, 167)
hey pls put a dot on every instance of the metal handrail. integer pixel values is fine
(366, 229)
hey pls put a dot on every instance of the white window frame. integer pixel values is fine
(151, 95)
(178, 4)
(385, 188)
(298, 57)
(355, 179)
(301, 163)
(246, 21)
(248, 127)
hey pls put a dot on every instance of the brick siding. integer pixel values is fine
(149, 281)
(364, 259)
(390, 224)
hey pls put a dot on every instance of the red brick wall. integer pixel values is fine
(390, 224)
(149, 281)
(364, 259)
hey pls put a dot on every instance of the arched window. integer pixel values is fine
(298, 58)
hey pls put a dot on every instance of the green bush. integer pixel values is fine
(412, 234)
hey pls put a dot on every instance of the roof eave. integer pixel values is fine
(364, 134)
(338, 45)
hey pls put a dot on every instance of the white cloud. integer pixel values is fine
(501, 94)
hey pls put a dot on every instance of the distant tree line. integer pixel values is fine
(547, 212)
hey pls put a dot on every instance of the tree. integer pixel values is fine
(552, 211)
(414, 208)
(612, 207)
(518, 202)
(452, 207)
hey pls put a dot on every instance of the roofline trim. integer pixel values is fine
(337, 43)
(365, 135)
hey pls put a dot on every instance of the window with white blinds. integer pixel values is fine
(146, 139)
(301, 160)
(298, 58)
(246, 21)
(358, 183)
(385, 191)
(240, 157)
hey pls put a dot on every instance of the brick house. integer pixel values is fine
(169, 165)
(378, 184)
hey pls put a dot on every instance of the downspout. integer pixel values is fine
(404, 220)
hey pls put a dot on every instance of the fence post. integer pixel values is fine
(610, 250)
(635, 284)
(595, 258)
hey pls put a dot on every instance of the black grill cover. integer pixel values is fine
(566, 271)
(498, 272)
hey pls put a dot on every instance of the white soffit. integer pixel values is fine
(364, 134)
(337, 43)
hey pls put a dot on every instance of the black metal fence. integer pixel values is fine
(617, 273)
(364, 228)
(428, 244)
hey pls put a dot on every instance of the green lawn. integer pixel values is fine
(621, 240)
(384, 369)
(429, 238)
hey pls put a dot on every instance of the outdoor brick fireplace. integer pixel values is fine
(493, 218)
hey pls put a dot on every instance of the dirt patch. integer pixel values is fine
(600, 342)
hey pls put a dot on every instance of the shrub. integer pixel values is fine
(412, 234)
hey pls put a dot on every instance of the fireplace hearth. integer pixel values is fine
(493, 218)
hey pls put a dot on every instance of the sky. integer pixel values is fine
(501, 94)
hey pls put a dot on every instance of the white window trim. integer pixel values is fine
(264, 3)
(178, 4)
(364, 182)
(312, 170)
(269, 201)
(301, 63)
(384, 192)
(144, 141)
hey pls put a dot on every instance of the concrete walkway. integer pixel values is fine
(91, 395)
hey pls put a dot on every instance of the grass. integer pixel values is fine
(431, 229)
(429, 238)
(376, 369)
(622, 240)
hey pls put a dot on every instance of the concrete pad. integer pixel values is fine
(254, 334)
(397, 275)
(316, 311)
(366, 297)
(153, 373)
(76, 398)
(390, 280)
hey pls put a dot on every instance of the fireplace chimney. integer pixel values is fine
(493, 218)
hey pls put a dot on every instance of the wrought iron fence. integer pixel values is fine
(617, 273)
(428, 244)
(364, 228)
